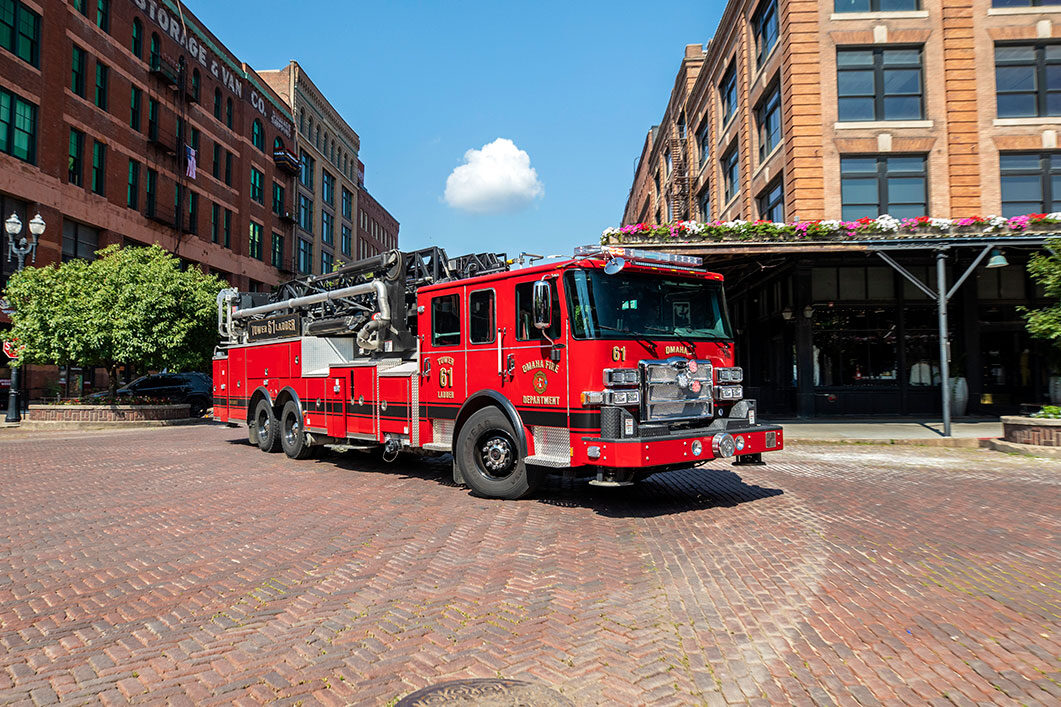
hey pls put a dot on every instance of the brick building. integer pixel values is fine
(327, 210)
(101, 104)
(842, 109)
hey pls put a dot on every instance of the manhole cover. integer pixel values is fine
(486, 692)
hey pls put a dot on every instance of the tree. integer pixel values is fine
(1045, 269)
(130, 306)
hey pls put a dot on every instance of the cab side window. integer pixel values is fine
(525, 329)
(482, 324)
(446, 320)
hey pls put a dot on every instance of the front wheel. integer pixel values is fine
(292, 435)
(490, 460)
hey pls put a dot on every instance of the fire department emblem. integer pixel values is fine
(540, 382)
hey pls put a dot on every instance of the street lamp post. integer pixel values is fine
(19, 248)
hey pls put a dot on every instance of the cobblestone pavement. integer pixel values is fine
(183, 565)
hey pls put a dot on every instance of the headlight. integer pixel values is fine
(730, 375)
(622, 397)
(621, 376)
(729, 392)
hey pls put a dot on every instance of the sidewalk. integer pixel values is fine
(964, 433)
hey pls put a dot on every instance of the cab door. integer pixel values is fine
(485, 341)
(539, 359)
(443, 365)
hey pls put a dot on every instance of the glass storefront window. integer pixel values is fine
(855, 346)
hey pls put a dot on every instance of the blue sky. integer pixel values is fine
(575, 85)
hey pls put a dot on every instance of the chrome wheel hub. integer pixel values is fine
(496, 454)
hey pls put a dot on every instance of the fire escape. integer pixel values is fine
(677, 185)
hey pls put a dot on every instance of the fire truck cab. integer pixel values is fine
(615, 363)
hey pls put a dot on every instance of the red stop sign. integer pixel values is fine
(10, 349)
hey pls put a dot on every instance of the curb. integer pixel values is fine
(69, 426)
(1031, 450)
(961, 442)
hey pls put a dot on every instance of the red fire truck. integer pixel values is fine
(615, 363)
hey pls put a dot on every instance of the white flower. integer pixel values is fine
(943, 224)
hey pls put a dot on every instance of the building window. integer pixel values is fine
(77, 71)
(731, 173)
(327, 188)
(152, 118)
(1031, 183)
(772, 203)
(102, 77)
(155, 58)
(138, 39)
(99, 159)
(876, 5)
(217, 103)
(304, 262)
(727, 92)
(347, 240)
(765, 28)
(875, 185)
(306, 165)
(103, 15)
(193, 212)
(195, 142)
(216, 166)
(228, 112)
(257, 185)
(79, 241)
(76, 157)
(1028, 80)
(18, 127)
(277, 258)
(278, 199)
(227, 228)
(20, 31)
(305, 213)
(703, 141)
(879, 84)
(258, 135)
(81, 6)
(215, 223)
(150, 192)
(703, 202)
(197, 85)
(254, 244)
(768, 118)
(132, 190)
(327, 228)
(228, 168)
(348, 204)
(135, 101)
(326, 261)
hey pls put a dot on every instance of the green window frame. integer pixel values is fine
(103, 15)
(136, 100)
(138, 39)
(257, 188)
(150, 192)
(76, 157)
(77, 70)
(254, 243)
(102, 80)
(132, 189)
(227, 230)
(99, 167)
(18, 127)
(215, 223)
(277, 258)
(20, 31)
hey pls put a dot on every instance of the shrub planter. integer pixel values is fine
(106, 415)
(1037, 436)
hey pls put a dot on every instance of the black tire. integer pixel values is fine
(490, 459)
(265, 421)
(197, 407)
(292, 436)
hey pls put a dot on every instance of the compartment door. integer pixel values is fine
(336, 406)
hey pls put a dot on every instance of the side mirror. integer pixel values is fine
(543, 305)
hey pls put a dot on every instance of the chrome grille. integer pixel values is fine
(671, 391)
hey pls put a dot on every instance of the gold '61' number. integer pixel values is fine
(445, 378)
(618, 353)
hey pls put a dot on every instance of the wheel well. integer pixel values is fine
(491, 398)
(282, 397)
(253, 402)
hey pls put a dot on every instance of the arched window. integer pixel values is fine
(138, 39)
(317, 139)
(217, 103)
(258, 135)
(302, 121)
(156, 50)
(228, 112)
(278, 144)
(197, 84)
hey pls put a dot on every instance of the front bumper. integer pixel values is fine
(641, 452)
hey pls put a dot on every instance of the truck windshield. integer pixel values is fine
(644, 305)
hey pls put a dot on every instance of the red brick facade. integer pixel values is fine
(1026, 430)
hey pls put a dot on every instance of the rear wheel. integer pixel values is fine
(265, 421)
(292, 435)
(197, 407)
(489, 457)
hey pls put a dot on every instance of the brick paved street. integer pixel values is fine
(183, 565)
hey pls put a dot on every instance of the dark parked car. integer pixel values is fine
(196, 389)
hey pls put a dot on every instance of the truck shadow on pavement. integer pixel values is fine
(680, 491)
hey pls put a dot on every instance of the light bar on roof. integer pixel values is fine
(639, 255)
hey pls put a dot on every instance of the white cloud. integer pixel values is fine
(498, 177)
